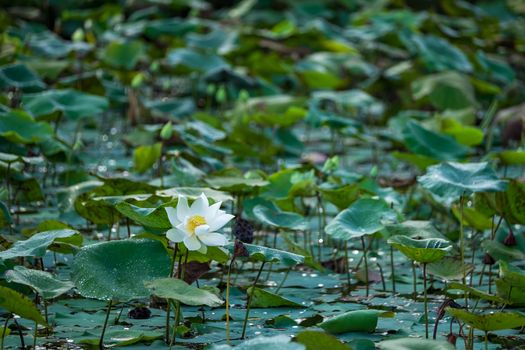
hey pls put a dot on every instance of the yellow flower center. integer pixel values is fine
(195, 221)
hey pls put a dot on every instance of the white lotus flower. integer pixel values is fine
(196, 226)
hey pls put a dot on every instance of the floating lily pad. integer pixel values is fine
(279, 342)
(415, 344)
(117, 270)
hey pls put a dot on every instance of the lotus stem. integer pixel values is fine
(4, 331)
(22, 342)
(383, 284)
(284, 280)
(486, 340)
(414, 290)
(168, 307)
(227, 303)
(347, 265)
(101, 341)
(425, 297)
(462, 244)
(392, 269)
(177, 319)
(35, 335)
(249, 301)
(366, 265)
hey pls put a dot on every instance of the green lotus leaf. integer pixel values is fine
(264, 254)
(421, 250)
(124, 55)
(415, 344)
(194, 193)
(262, 299)
(235, 184)
(314, 340)
(278, 342)
(473, 292)
(449, 269)
(38, 244)
(274, 216)
(510, 294)
(414, 229)
(19, 127)
(501, 252)
(72, 103)
(450, 179)
(19, 76)
(145, 156)
(512, 157)
(446, 90)
(512, 275)
(117, 270)
(364, 217)
(176, 289)
(355, 321)
(149, 217)
(432, 144)
(44, 283)
(489, 322)
(20, 305)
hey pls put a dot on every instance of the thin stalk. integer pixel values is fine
(22, 342)
(382, 276)
(425, 297)
(414, 280)
(462, 244)
(35, 335)
(177, 319)
(4, 331)
(392, 269)
(366, 265)
(284, 280)
(227, 303)
(347, 265)
(168, 309)
(249, 301)
(101, 341)
(486, 340)
(129, 229)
